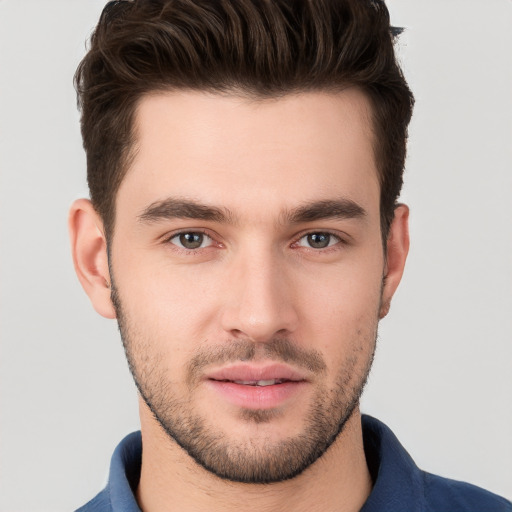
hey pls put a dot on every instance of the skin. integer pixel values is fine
(256, 278)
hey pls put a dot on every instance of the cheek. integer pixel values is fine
(348, 293)
(179, 306)
(170, 304)
(342, 315)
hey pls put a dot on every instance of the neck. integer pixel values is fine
(171, 480)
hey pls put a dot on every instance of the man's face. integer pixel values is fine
(248, 273)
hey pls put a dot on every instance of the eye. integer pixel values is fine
(318, 240)
(191, 240)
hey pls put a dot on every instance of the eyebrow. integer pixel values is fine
(327, 209)
(177, 208)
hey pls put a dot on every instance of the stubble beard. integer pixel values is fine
(246, 461)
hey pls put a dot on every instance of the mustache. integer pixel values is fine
(278, 349)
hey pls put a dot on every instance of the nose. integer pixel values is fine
(259, 303)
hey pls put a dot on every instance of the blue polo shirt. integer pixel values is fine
(399, 485)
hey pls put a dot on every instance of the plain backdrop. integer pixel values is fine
(442, 379)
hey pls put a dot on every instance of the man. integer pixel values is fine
(244, 163)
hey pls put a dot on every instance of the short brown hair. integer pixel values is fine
(261, 48)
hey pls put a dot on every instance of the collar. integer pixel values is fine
(397, 480)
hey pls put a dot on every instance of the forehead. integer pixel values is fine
(237, 152)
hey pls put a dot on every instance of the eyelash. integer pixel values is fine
(339, 241)
(336, 246)
(169, 239)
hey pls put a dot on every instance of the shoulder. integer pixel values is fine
(400, 486)
(118, 495)
(101, 503)
(444, 494)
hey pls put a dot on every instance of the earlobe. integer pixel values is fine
(90, 258)
(397, 249)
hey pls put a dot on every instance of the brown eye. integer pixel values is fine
(191, 240)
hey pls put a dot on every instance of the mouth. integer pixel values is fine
(256, 387)
(262, 383)
(250, 374)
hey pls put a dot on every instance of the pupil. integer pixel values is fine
(319, 240)
(191, 240)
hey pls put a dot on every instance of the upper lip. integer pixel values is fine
(253, 372)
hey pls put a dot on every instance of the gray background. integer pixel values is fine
(442, 377)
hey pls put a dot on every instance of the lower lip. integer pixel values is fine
(257, 397)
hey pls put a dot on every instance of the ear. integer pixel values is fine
(397, 248)
(89, 250)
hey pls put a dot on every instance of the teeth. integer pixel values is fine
(266, 382)
(270, 382)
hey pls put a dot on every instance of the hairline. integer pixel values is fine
(247, 93)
